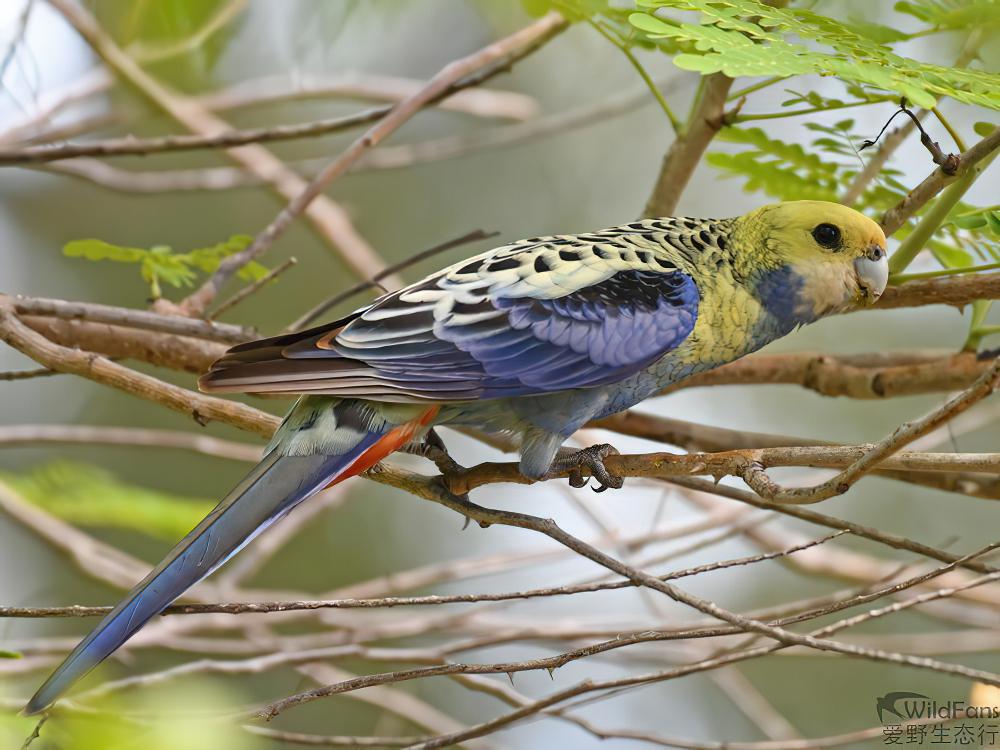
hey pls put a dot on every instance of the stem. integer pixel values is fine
(951, 130)
(675, 123)
(904, 277)
(735, 96)
(808, 111)
(980, 309)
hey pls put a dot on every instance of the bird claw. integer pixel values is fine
(587, 464)
(432, 448)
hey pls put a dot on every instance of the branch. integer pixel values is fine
(125, 316)
(101, 370)
(118, 342)
(386, 157)
(939, 179)
(685, 152)
(478, 102)
(132, 146)
(863, 376)
(442, 84)
(956, 291)
(831, 522)
(251, 288)
(860, 376)
(488, 516)
(60, 434)
(905, 434)
(238, 608)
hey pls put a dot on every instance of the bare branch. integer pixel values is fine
(124, 316)
(386, 157)
(478, 102)
(937, 181)
(237, 608)
(48, 434)
(332, 222)
(685, 152)
(132, 146)
(249, 289)
(94, 367)
(758, 479)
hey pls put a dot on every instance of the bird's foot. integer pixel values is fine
(587, 464)
(433, 448)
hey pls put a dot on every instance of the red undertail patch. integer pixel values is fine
(389, 443)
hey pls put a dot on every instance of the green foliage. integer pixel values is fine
(9, 654)
(749, 38)
(781, 170)
(174, 715)
(191, 34)
(161, 264)
(87, 495)
(946, 15)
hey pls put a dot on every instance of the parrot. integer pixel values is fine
(533, 340)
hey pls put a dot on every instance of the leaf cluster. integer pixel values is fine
(749, 38)
(161, 264)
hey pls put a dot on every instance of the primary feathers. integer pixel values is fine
(533, 339)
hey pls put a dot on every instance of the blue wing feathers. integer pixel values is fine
(448, 339)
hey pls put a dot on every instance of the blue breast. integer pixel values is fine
(780, 292)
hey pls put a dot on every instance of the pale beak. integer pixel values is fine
(873, 272)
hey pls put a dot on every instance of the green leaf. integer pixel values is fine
(876, 31)
(984, 128)
(649, 24)
(9, 654)
(975, 221)
(951, 257)
(952, 15)
(87, 495)
(993, 219)
(101, 250)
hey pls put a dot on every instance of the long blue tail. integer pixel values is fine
(268, 492)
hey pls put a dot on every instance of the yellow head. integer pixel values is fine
(837, 255)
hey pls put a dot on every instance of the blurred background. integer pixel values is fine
(577, 178)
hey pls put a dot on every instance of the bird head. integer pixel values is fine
(836, 256)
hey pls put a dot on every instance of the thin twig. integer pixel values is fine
(40, 372)
(917, 198)
(61, 434)
(249, 289)
(237, 608)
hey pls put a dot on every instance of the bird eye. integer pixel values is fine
(827, 235)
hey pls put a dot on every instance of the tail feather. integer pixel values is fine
(267, 493)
